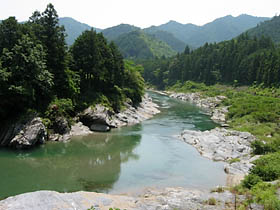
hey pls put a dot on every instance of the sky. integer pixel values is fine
(142, 13)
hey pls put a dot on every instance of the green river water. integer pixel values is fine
(129, 159)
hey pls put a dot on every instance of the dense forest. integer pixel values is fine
(240, 61)
(37, 69)
(269, 28)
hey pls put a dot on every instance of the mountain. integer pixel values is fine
(176, 44)
(221, 29)
(179, 30)
(269, 28)
(73, 28)
(113, 33)
(138, 44)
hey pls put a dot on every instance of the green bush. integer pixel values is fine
(265, 194)
(251, 180)
(59, 108)
(267, 167)
(261, 148)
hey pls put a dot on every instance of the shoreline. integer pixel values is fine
(152, 199)
(220, 144)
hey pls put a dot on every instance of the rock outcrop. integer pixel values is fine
(24, 134)
(167, 199)
(100, 118)
(209, 104)
(220, 144)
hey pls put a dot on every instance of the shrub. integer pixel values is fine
(265, 194)
(251, 180)
(212, 201)
(267, 167)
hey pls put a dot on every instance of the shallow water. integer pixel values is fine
(123, 160)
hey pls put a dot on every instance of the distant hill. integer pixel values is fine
(114, 32)
(221, 29)
(176, 44)
(138, 44)
(74, 28)
(269, 28)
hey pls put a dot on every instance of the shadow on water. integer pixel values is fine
(90, 163)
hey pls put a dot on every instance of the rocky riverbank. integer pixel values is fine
(167, 199)
(30, 131)
(209, 104)
(220, 144)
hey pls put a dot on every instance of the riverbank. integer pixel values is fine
(220, 144)
(31, 131)
(167, 199)
(101, 119)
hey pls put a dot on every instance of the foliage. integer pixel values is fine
(134, 83)
(137, 44)
(265, 194)
(267, 167)
(269, 28)
(241, 61)
(212, 201)
(251, 180)
(39, 72)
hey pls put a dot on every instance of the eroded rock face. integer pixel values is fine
(98, 115)
(29, 134)
(102, 119)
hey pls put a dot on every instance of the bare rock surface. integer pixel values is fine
(100, 118)
(166, 199)
(24, 134)
(209, 104)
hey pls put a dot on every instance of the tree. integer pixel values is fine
(9, 33)
(52, 37)
(26, 82)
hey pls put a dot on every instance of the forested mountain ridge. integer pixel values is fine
(74, 28)
(221, 29)
(139, 45)
(269, 28)
(114, 32)
(176, 44)
(240, 61)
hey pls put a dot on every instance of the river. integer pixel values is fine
(124, 160)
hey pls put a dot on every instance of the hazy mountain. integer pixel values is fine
(138, 44)
(270, 28)
(176, 44)
(74, 28)
(114, 32)
(221, 29)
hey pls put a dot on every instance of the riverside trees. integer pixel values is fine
(36, 67)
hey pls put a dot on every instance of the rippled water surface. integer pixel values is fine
(127, 159)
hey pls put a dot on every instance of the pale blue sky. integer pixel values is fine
(142, 13)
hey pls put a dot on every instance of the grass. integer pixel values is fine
(212, 201)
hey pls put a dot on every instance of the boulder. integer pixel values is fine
(32, 133)
(98, 115)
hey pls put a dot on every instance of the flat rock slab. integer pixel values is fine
(166, 199)
(50, 200)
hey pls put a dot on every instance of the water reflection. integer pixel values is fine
(91, 163)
